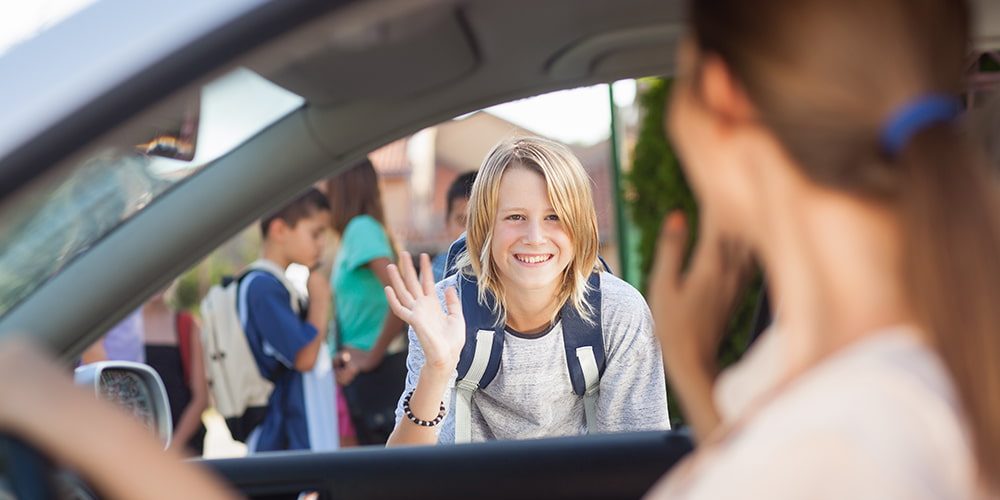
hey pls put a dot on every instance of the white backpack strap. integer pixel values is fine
(592, 378)
(470, 384)
(241, 299)
(279, 273)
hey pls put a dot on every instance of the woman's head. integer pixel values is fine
(532, 224)
(818, 77)
(354, 192)
(815, 83)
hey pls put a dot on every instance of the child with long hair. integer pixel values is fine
(532, 254)
(365, 326)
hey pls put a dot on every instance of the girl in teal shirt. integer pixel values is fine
(365, 325)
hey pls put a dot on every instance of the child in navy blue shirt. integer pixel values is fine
(285, 336)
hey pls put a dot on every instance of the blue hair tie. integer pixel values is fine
(919, 114)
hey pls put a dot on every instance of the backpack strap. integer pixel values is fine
(585, 356)
(480, 359)
(243, 281)
(605, 265)
(295, 297)
(245, 277)
(451, 261)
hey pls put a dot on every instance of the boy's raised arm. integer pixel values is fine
(319, 316)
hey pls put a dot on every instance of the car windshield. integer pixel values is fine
(63, 214)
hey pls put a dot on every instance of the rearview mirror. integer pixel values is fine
(176, 135)
(133, 386)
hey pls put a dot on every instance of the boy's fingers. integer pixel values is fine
(397, 308)
(426, 274)
(452, 302)
(399, 287)
(410, 274)
(670, 250)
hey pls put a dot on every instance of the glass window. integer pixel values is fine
(62, 215)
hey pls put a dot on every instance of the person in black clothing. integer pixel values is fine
(173, 349)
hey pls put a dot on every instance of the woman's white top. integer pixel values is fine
(879, 419)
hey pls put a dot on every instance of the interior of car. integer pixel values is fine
(350, 76)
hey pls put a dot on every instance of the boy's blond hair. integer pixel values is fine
(569, 192)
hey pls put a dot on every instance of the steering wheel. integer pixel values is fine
(29, 473)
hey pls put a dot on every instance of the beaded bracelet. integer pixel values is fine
(422, 423)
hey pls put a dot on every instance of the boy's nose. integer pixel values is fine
(534, 233)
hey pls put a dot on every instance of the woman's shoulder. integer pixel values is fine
(886, 390)
(876, 403)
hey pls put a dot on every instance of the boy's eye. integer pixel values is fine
(515, 217)
(552, 217)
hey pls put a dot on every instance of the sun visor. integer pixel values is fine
(650, 48)
(397, 58)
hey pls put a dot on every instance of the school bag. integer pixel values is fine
(484, 334)
(238, 390)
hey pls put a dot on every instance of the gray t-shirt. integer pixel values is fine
(532, 396)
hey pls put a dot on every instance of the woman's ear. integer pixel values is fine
(721, 93)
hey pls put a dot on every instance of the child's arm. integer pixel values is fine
(276, 328)
(319, 316)
(441, 335)
(190, 419)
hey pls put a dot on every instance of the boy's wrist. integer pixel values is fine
(435, 376)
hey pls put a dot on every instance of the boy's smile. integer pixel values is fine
(530, 247)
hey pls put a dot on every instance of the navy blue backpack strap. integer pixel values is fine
(478, 316)
(585, 355)
(579, 333)
(451, 261)
(479, 361)
(605, 265)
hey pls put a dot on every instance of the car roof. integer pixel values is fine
(51, 81)
(370, 71)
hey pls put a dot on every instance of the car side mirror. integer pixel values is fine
(133, 386)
